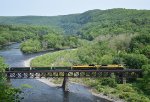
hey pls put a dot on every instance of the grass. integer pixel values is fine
(60, 58)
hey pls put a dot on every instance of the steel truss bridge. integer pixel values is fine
(120, 75)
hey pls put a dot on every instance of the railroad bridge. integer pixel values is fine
(29, 73)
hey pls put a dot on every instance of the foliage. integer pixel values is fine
(7, 93)
(96, 53)
(92, 23)
(127, 92)
(36, 38)
(31, 46)
(135, 61)
(140, 44)
(118, 36)
(111, 82)
(16, 33)
(146, 51)
(145, 83)
(61, 58)
(3, 66)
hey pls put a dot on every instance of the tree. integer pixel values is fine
(31, 46)
(139, 42)
(146, 51)
(146, 79)
(135, 60)
(7, 93)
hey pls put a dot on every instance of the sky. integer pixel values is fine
(64, 7)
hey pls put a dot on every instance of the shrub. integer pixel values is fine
(135, 60)
(139, 41)
(146, 79)
(7, 93)
(106, 59)
(31, 46)
(146, 51)
(109, 82)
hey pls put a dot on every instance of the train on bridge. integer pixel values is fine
(97, 67)
(75, 67)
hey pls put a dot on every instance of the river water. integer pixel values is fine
(42, 90)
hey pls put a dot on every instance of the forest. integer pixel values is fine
(113, 36)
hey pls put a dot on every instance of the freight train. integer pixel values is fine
(75, 67)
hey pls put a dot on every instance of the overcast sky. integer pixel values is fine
(63, 7)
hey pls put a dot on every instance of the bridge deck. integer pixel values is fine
(128, 73)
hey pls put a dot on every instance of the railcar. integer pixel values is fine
(98, 67)
(75, 67)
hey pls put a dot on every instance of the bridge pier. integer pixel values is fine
(123, 81)
(8, 77)
(123, 78)
(65, 82)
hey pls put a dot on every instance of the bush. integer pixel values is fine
(106, 59)
(117, 60)
(135, 60)
(31, 46)
(7, 93)
(146, 79)
(125, 88)
(139, 41)
(111, 82)
(146, 51)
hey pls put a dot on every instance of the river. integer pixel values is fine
(42, 90)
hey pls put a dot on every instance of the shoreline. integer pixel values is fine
(50, 83)
(27, 62)
(101, 95)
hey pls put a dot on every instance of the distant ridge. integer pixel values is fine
(74, 22)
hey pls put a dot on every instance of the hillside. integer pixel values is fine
(115, 36)
(92, 23)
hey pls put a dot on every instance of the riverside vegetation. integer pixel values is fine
(7, 93)
(115, 36)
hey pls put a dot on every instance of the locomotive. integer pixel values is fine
(98, 67)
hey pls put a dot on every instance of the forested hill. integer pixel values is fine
(91, 23)
(102, 37)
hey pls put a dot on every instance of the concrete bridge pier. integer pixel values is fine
(123, 78)
(65, 82)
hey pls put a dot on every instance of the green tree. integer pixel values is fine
(145, 84)
(135, 61)
(111, 82)
(31, 46)
(7, 93)
(146, 51)
(139, 42)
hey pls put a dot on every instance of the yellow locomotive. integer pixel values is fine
(97, 67)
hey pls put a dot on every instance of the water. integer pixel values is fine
(14, 57)
(41, 90)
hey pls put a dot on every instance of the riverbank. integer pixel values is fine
(92, 90)
(57, 83)
(108, 87)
